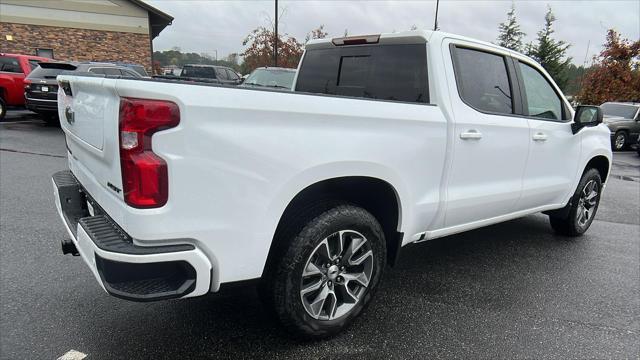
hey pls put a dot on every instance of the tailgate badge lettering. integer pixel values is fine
(113, 187)
(69, 115)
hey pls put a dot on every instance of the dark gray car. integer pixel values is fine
(41, 88)
(623, 119)
(210, 74)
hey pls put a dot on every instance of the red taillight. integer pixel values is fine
(145, 179)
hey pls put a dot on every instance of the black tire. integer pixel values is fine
(620, 137)
(281, 288)
(3, 108)
(570, 225)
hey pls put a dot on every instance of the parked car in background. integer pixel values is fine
(41, 88)
(210, 73)
(274, 77)
(13, 69)
(135, 67)
(637, 145)
(623, 119)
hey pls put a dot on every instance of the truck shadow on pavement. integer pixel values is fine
(482, 268)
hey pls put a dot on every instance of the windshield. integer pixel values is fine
(621, 110)
(273, 78)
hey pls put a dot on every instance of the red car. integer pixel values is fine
(13, 69)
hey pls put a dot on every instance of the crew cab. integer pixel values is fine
(13, 69)
(176, 190)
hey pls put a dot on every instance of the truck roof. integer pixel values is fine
(402, 37)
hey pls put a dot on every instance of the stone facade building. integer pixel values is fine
(97, 30)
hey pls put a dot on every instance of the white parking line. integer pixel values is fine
(73, 355)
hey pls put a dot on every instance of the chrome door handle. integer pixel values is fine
(471, 134)
(540, 137)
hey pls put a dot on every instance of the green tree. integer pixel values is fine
(510, 35)
(551, 53)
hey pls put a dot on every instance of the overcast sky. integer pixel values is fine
(204, 26)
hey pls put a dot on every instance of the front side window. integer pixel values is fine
(483, 81)
(541, 99)
(222, 75)
(384, 72)
(10, 64)
(232, 75)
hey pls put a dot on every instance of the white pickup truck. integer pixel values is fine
(175, 190)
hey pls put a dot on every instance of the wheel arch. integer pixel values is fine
(373, 194)
(600, 163)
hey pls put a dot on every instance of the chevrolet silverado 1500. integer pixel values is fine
(175, 190)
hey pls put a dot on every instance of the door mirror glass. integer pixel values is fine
(586, 115)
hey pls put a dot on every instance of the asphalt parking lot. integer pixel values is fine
(512, 290)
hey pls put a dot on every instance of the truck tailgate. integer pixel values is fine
(89, 117)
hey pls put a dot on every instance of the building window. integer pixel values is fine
(47, 53)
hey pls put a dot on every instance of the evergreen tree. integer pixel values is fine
(510, 35)
(551, 53)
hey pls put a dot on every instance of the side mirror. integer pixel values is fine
(586, 115)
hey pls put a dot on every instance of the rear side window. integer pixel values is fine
(483, 82)
(130, 73)
(10, 64)
(112, 71)
(384, 72)
(198, 72)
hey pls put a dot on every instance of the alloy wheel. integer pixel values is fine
(336, 275)
(619, 142)
(587, 203)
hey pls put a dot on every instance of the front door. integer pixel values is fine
(554, 150)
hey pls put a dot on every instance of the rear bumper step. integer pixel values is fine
(126, 270)
(108, 236)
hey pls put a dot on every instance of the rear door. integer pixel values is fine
(554, 149)
(490, 142)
